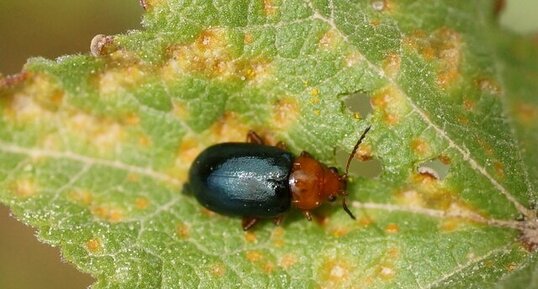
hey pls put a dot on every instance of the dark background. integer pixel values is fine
(54, 28)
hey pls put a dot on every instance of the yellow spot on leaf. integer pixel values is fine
(375, 22)
(511, 267)
(383, 5)
(269, 7)
(386, 272)
(82, 197)
(248, 38)
(103, 133)
(352, 59)
(115, 82)
(451, 224)
(189, 149)
(132, 119)
(469, 104)
(210, 54)
(443, 46)
(420, 147)
(287, 261)
(254, 256)
(392, 228)
(268, 267)
(499, 169)
(285, 113)
(250, 237)
(364, 152)
(335, 273)
(365, 221)
(218, 270)
(489, 85)
(144, 141)
(390, 103)
(527, 114)
(228, 128)
(207, 212)
(391, 65)
(278, 237)
(141, 203)
(179, 110)
(486, 147)
(330, 40)
(93, 245)
(445, 159)
(340, 230)
(35, 102)
(107, 213)
(182, 230)
(411, 198)
(314, 100)
(151, 4)
(426, 191)
(24, 188)
(256, 71)
(463, 120)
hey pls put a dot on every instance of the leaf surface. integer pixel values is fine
(95, 150)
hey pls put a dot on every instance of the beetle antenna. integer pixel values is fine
(351, 157)
(347, 209)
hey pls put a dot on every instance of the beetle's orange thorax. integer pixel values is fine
(312, 183)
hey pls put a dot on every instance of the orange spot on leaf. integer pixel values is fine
(93, 245)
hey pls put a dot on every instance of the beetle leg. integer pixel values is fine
(248, 222)
(308, 215)
(281, 146)
(253, 137)
(306, 154)
(278, 220)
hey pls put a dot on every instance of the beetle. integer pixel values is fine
(255, 181)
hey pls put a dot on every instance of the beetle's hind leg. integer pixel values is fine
(307, 214)
(278, 220)
(253, 137)
(248, 222)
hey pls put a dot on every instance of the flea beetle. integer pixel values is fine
(255, 181)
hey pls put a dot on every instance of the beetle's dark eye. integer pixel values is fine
(334, 170)
(332, 198)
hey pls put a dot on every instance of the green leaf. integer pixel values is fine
(95, 150)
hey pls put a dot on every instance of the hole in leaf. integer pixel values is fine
(435, 168)
(359, 103)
